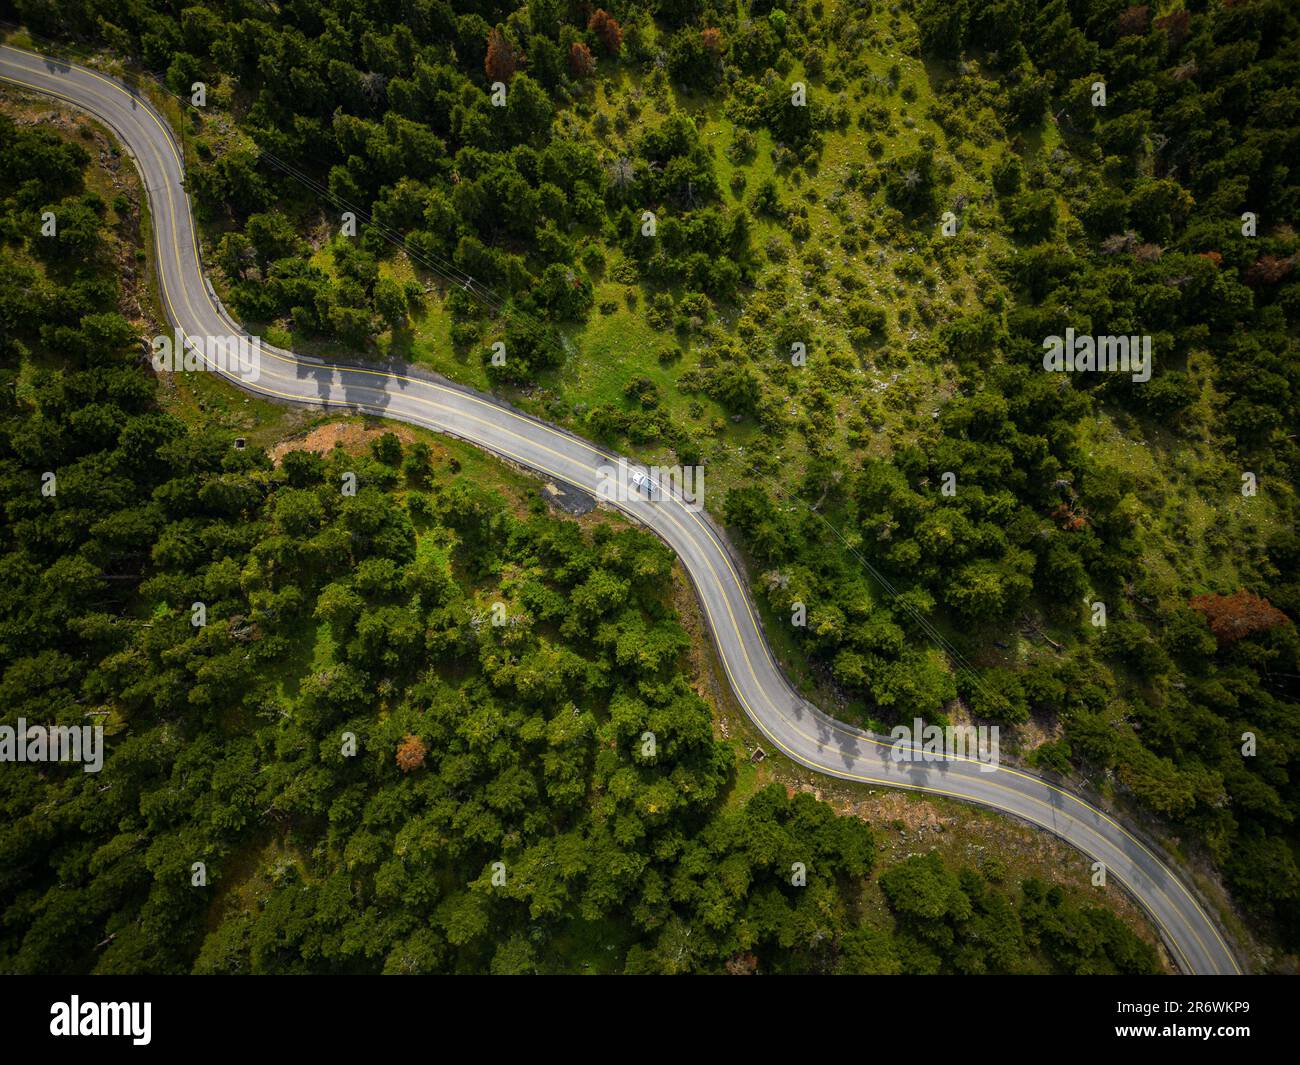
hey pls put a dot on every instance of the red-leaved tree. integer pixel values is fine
(502, 57)
(1234, 617)
(1177, 25)
(1134, 20)
(581, 63)
(607, 31)
(1267, 270)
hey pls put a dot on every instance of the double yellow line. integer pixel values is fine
(666, 513)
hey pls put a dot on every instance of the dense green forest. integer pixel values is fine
(410, 735)
(824, 225)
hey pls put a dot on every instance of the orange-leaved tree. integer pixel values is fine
(410, 755)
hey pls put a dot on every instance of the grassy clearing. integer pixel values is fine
(1194, 522)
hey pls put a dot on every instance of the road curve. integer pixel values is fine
(788, 721)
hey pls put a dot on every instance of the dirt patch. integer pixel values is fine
(1033, 734)
(566, 498)
(353, 437)
(894, 808)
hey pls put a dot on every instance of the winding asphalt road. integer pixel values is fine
(789, 722)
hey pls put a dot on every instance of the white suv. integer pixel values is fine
(647, 483)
